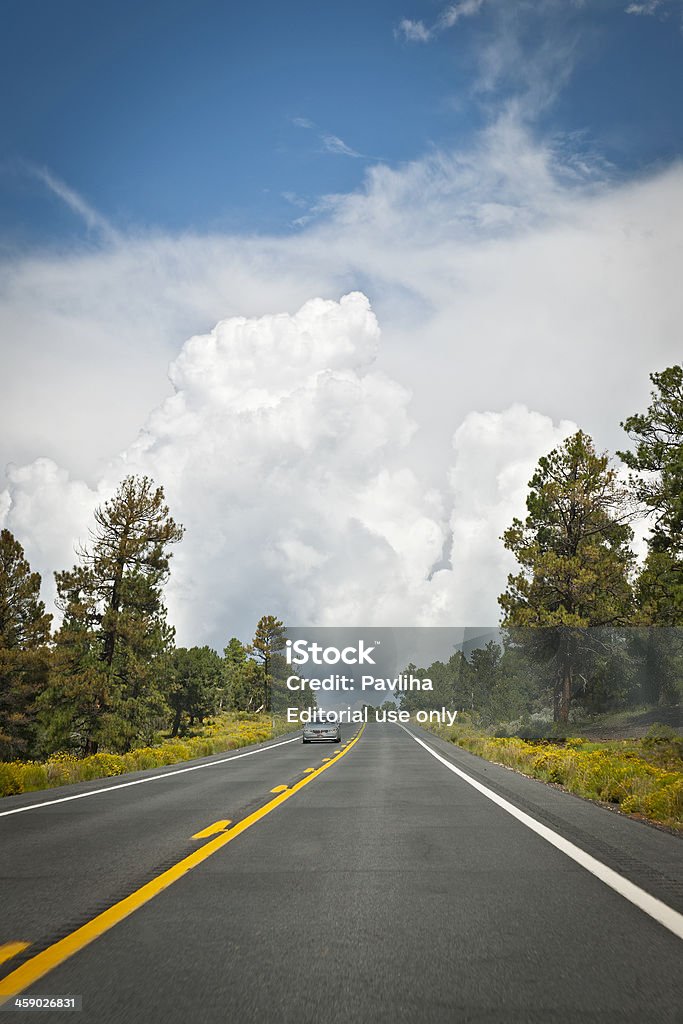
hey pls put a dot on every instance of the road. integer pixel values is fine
(379, 886)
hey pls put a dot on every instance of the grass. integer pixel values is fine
(227, 732)
(642, 777)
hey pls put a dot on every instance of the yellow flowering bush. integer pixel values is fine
(21, 776)
(632, 774)
(227, 732)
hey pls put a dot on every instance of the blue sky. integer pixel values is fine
(189, 114)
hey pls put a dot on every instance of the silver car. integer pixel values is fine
(322, 731)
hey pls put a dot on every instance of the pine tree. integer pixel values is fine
(24, 654)
(574, 557)
(657, 465)
(109, 656)
(269, 638)
(243, 677)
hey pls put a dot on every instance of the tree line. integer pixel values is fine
(111, 675)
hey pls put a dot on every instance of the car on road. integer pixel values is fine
(321, 730)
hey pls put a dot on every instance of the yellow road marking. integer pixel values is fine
(10, 949)
(210, 830)
(279, 789)
(40, 964)
(309, 770)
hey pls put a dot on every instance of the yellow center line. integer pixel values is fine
(40, 964)
(279, 789)
(10, 949)
(210, 830)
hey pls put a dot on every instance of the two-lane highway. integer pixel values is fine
(66, 853)
(386, 887)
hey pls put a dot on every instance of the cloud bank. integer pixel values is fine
(283, 452)
(325, 474)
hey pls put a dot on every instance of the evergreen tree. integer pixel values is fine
(24, 654)
(657, 465)
(106, 684)
(269, 638)
(243, 677)
(196, 679)
(574, 557)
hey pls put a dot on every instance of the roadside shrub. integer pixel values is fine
(10, 779)
(641, 776)
(665, 742)
(225, 733)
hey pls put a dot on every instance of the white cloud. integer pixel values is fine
(330, 143)
(50, 514)
(452, 14)
(76, 203)
(283, 452)
(310, 482)
(495, 455)
(649, 7)
(418, 32)
(414, 31)
(333, 144)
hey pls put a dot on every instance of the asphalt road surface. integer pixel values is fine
(270, 884)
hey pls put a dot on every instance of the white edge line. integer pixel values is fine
(660, 912)
(150, 778)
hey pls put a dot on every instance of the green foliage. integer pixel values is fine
(194, 685)
(665, 741)
(269, 638)
(575, 561)
(450, 681)
(24, 654)
(106, 686)
(243, 678)
(657, 479)
(496, 684)
(573, 546)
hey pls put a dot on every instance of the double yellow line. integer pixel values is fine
(56, 954)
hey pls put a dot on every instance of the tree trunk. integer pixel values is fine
(566, 689)
(266, 688)
(176, 722)
(563, 687)
(651, 685)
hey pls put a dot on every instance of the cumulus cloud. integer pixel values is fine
(283, 452)
(495, 454)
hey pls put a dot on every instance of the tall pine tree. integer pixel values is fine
(574, 557)
(107, 684)
(269, 638)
